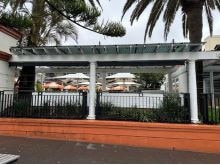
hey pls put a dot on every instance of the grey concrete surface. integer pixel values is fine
(41, 151)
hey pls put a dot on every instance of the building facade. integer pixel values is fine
(211, 72)
(8, 38)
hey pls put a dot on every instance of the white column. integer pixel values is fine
(92, 91)
(211, 82)
(204, 86)
(103, 74)
(193, 92)
(212, 91)
(170, 83)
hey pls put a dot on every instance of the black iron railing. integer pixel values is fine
(172, 108)
(210, 112)
(44, 105)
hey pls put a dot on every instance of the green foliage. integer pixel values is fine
(22, 108)
(51, 20)
(110, 112)
(79, 12)
(38, 87)
(113, 29)
(152, 81)
(171, 110)
(68, 110)
(18, 21)
(214, 115)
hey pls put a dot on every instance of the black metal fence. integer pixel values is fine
(43, 105)
(172, 108)
(210, 112)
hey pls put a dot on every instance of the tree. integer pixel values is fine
(150, 81)
(192, 23)
(44, 21)
(192, 11)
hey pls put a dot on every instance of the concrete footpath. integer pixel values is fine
(51, 151)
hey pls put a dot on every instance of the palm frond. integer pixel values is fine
(140, 7)
(59, 31)
(217, 3)
(53, 38)
(185, 25)
(93, 3)
(127, 6)
(210, 3)
(66, 29)
(154, 16)
(169, 15)
(17, 4)
(209, 17)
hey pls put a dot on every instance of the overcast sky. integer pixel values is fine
(112, 10)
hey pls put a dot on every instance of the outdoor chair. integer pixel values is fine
(8, 158)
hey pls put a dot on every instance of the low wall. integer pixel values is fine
(197, 138)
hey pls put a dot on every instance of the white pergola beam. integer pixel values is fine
(117, 57)
(100, 70)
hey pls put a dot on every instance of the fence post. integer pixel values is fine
(187, 105)
(38, 101)
(84, 104)
(2, 102)
(205, 116)
(98, 103)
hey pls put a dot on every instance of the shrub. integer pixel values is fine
(171, 110)
(19, 108)
(69, 110)
(109, 111)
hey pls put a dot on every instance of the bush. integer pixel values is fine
(111, 112)
(171, 110)
(68, 110)
(21, 108)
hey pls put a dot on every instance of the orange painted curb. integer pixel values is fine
(187, 137)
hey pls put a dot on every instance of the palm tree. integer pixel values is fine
(192, 22)
(191, 10)
(44, 22)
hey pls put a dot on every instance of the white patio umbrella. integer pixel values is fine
(87, 83)
(76, 76)
(121, 76)
(73, 76)
(53, 85)
(126, 83)
(70, 87)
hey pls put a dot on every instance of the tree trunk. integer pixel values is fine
(195, 24)
(27, 74)
(26, 80)
(194, 12)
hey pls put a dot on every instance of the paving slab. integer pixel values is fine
(43, 151)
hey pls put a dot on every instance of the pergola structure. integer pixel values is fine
(138, 57)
